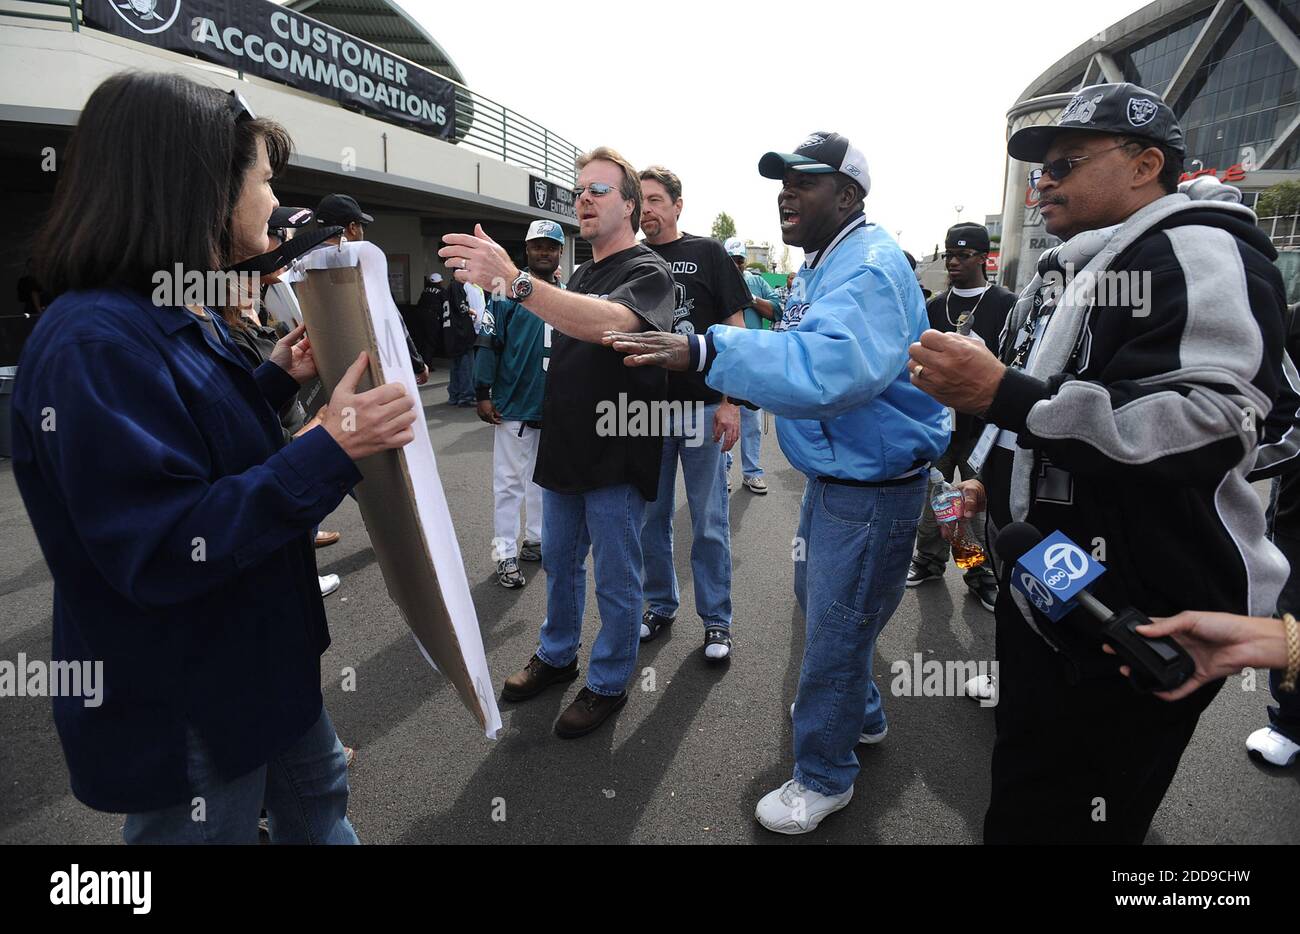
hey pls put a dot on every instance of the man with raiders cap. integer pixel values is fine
(1125, 410)
(970, 305)
(847, 417)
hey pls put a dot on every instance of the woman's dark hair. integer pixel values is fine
(150, 179)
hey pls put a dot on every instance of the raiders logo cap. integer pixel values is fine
(1117, 109)
(819, 154)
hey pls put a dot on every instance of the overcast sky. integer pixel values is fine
(922, 88)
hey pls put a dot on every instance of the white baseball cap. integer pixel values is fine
(821, 152)
(545, 230)
(735, 247)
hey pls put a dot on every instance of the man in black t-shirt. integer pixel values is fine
(970, 305)
(703, 425)
(598, 460)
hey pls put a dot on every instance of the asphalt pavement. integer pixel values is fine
(690, 754)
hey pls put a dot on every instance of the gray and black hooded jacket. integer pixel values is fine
(1138, 432)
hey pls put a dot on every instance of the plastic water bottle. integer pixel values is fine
(947, 504)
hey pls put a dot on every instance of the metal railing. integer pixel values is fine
(1283, 230)
(481, 123)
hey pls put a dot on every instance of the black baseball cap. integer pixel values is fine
(341, 209)
(967, 237)
(820, 153)
(282, 218)
(1118, 109)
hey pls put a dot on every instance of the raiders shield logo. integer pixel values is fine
(539, 193)
(148, 16)
(1141, 111)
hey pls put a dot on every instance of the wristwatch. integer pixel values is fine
(522, 287)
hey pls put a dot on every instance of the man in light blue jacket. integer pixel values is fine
(848, 417)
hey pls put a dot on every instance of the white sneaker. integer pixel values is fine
(1272, 747)
(981, 688)
(794, 808)
(869, 739)
(328, 584)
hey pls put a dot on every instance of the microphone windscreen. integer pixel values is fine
(1016, 539)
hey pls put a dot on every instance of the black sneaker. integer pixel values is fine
(508, 574)
(985, 590)
(920, 572)
(530, 551)
(652, 623)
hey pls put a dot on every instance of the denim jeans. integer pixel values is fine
(304, 791)
(706, 496)
(460, 383)
(606, 522)
(857, 542)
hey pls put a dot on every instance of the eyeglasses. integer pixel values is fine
(960, 255)
(239, 108)
(1057, 169)
(597, 189)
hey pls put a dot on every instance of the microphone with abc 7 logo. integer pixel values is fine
(1053, 573)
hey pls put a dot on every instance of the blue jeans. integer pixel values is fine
(706, 495)
(857, 545)
(304, 791)
(606, 522)
(460, 384)
(751, 442)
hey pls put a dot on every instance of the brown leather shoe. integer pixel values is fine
(327, 538)
(588, 711)
(536, 677)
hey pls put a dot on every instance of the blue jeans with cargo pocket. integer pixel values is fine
(856, 545)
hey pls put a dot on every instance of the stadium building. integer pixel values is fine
(376, 107)
(1231, 72)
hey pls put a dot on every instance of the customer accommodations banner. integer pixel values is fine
(263, 39)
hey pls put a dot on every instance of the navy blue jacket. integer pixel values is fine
(176, 524)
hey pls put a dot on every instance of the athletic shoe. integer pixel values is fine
(535, 678)
(587, 712)
(652, 623)
(981, 688)
(328, 584)
(919, 573)
(530, 551)
(985, 591)
(794, 808)
(866, 739)
(717, 644)
(756, 485)
(1271, 746)
(508, 575)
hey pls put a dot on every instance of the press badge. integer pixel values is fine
(982, 447)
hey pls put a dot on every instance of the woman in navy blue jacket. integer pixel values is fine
(175, 519)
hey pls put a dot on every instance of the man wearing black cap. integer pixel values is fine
(970, 305)
(836, 378)
(343, 211)
(1124, 410)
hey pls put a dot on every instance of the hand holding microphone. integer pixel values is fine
(1053, 574)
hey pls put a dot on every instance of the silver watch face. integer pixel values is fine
(522, 287)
